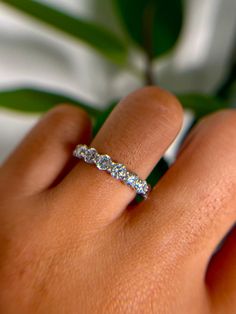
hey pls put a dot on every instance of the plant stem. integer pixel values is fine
(149, 79)
(148, 21)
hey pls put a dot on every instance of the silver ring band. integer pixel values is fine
(116, 170)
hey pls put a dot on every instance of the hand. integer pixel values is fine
(71, 243)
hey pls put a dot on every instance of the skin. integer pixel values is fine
(70, 242)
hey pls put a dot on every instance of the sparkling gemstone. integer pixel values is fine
(141, 186)
(80, 151)
(90, 155)
(146, 187)
(131, 179)
(119, 171)
(104, 162)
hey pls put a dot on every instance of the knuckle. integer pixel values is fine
(66, 113)
(166, 100)
(155, 105)
(221, 123)
(159, 100)
(225, 114)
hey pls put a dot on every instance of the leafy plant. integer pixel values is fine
(37, 100)
(152, 26)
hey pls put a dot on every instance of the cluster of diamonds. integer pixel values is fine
(116, 170)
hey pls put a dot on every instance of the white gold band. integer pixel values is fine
(116, 170)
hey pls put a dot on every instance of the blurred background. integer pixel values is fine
(93, 52)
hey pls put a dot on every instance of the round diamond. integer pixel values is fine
(141, 186)
(80, 151)
(104, 162)
(90, 155)
(119, 171)
(131, 179)
(146, 187)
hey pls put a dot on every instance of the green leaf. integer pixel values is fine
(154, 25)
(201, 104)
(37, 100)
(96, 36)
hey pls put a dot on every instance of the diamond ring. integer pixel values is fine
(116, 170)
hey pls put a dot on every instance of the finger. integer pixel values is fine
(46, 150)
(136, 134)
(221, 276)
(194, 204)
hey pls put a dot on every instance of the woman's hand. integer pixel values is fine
(71, 243)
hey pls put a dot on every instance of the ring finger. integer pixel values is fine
(136, 134)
